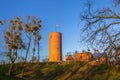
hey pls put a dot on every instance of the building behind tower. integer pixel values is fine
(55, 47)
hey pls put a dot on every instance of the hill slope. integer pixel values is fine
(55, 71)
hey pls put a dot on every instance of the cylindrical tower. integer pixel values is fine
(55, 47)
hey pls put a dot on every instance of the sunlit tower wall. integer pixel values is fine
(55, 47)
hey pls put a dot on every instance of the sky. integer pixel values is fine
(64, 12)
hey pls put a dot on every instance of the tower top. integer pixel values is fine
(55, 32)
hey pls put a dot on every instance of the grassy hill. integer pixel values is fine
(64, 71)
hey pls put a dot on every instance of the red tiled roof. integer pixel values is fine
(69, 57)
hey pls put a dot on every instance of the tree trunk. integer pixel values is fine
(10, 73)
(27, 50)
(34, 49)
(38, 51)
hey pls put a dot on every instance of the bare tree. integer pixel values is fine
(36, 35)
(102, 28)
(28, 32)
(32, 37)
(2, 22)
(32, 30)
(13, 39)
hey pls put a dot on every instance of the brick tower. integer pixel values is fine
(55, 47)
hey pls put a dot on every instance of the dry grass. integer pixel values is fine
(71, 71)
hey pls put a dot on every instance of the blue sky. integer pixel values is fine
(64, 12)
